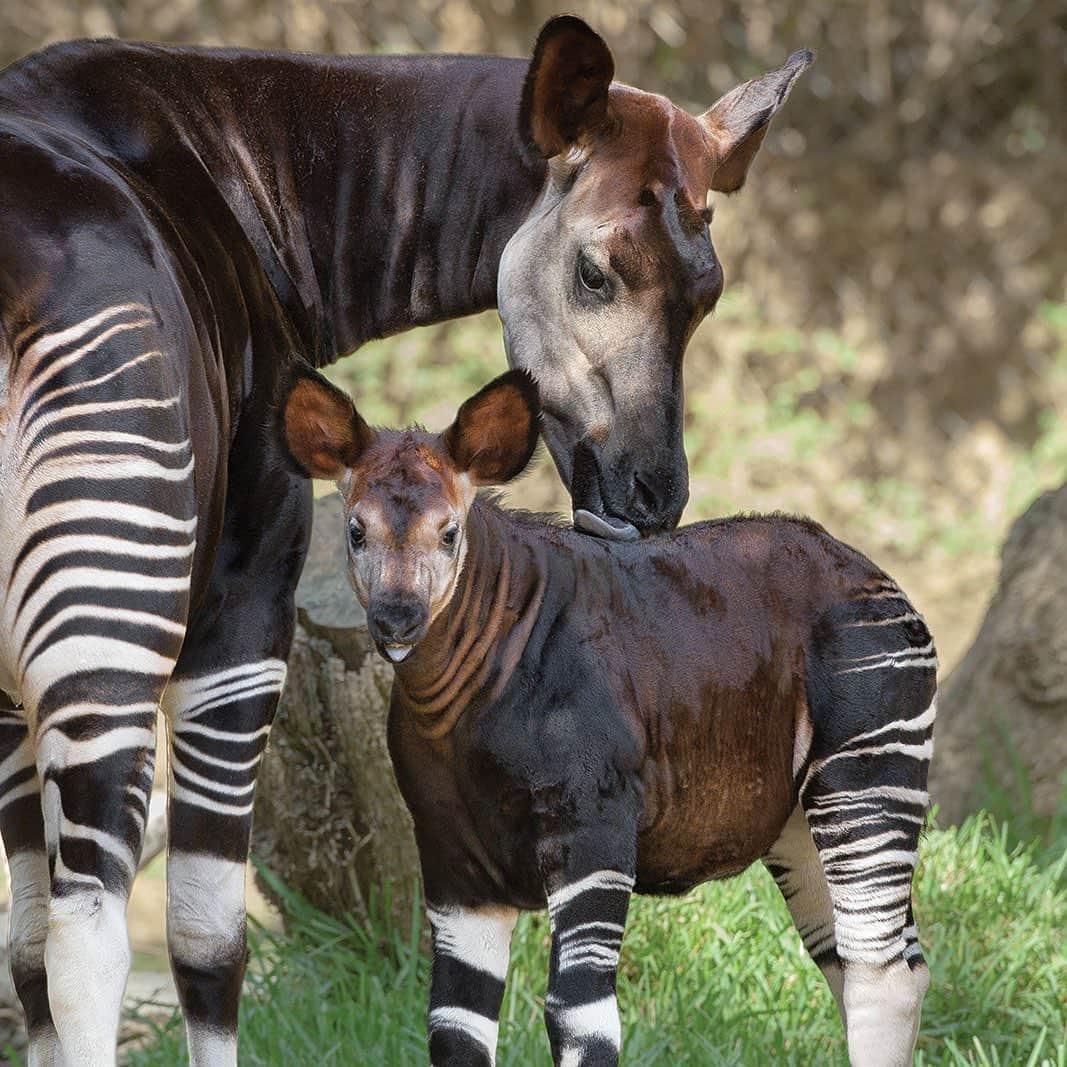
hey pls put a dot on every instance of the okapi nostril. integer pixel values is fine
(644, 495)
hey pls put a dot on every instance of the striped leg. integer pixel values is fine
(97, 539)
(218, 723)
(96, 766)
(23, 832)
(864, 795)
(588, 916)
(794, 863)
(471, 947)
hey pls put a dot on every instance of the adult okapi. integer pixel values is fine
(178, 225)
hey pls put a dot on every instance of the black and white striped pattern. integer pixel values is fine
(470, 964)
(588, 917)
(864, 800)
(98, 533)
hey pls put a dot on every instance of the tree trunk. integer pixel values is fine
(1004, 708)
(329, 818)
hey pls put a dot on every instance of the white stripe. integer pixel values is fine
(599, 1019)
(93, 611)
(215, 761)
(52, 394)
(236, 791)
(917, 797)
(597, 880)
(109, 843)
(120, 739)
(187, 796)
(920, 723)
(481, 1029)
(93, 578)
(57, 339)
(911, 616)
(19, 791)
(911, 650)
(221, 735)
(97, 468)
(75, 711)
(583, 928)
(896, 663)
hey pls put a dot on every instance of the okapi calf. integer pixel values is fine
(574, 720)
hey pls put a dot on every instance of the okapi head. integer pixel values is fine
(407, 492)
(601, 287)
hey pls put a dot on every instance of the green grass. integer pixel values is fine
(715, 978)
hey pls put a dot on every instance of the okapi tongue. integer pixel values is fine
(611, 529)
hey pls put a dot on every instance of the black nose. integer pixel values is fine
(397, 622)
(656, 499)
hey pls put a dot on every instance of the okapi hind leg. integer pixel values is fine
(23, 833)
(793, 862)
(218, 723)
(871, 694)
(219, 707)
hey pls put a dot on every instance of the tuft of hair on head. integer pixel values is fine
(495, 432)
(323, 431)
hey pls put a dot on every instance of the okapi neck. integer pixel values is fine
(419, 181)
(477, 641)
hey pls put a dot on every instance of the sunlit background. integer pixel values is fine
(890, 355)
(891, 352)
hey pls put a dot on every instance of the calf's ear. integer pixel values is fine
(323, 431)
(495, 432)
(565, 96)
(737, 123)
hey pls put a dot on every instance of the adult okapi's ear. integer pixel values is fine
(565, 96)
(738, 122)
(495, 432)
(324, 432)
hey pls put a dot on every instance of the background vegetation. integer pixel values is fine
(715, 979)
(890, 357)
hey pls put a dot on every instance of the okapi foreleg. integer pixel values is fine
(471, 948)
(589, 874)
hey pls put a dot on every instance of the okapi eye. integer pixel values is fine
(592, 277)
(357, 536)
(448, 538)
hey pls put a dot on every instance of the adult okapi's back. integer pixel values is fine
(179, 225)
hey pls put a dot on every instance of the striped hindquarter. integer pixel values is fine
(846, 858)
(98, 535)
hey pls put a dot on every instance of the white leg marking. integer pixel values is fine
(205, 906)
(475, 1026)
(87, 958)
(597, 880)
(579, 1024)
(211, 1048)
(479, 938)
(884, 1007)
